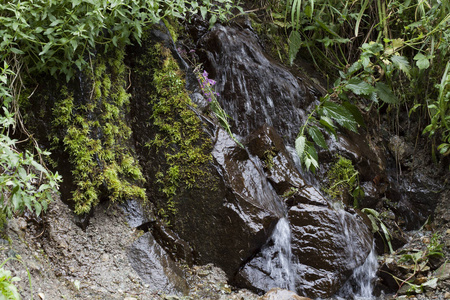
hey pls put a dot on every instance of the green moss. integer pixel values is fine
(179, 136)
(96, 137)
(343, 181)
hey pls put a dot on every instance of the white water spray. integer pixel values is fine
(360, 285)
(279, 256)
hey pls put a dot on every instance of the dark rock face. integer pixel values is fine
(326, 244)
(229, 222)
(155, 266)
(329, 244)
(254, 89)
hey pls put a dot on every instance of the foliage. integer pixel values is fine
(57, 38)
(343, 180)
(179, 134)
(385, 60)
(206, 85)
(7, 288)
(420, 258)
(375, 219)
(24, 182)
(95, 135)
(54, 36)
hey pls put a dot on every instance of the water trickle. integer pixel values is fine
(360, 285)
(279, 256)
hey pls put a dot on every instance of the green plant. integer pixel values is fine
(179, 137)
(420, 259)
(206, 85)
(374, 217)
(344, 179)
(7, 288)
(57, 38)
(375, 57)
(24, 182)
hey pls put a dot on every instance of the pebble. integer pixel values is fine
(447, 295)
(41, 295)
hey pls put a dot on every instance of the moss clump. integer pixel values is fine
(95, 135)
(179, 136)
(343, 181)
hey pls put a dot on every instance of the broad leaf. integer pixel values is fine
(317, 137)
(300, 145)
(341, 115)
(295, 42)
(359, 86)
(422, 61)
(385, 93)
(402, 63)
(355, 112)
(327, 123)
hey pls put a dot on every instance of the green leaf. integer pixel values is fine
(317, 137)
(17, 51)
(341, 115)
(46, 48)
(401, 63)
(327, 123)
(359, 86)
(355, 112)
(203, 12)
(300, 143)
(295, 42)
(385, 93)
(422, 61)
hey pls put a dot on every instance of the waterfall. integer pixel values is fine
(361, 283)
(279, 256)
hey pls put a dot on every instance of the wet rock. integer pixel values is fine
(281, 171)
(227, 223)
(155, 267)
(371, 195)
(176, 247)
(328, 245)
(135, 214)
(281, 294)
(236, 60)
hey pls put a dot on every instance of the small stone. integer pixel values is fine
(22, 224)
(42, 296)
(448, 231)
(203, 273)
(447, 295)
(105, 257)
(426, 240)
(130, 298)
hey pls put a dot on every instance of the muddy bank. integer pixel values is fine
(66, 262)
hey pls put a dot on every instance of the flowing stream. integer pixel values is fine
(360, 285)
(279, 256)
(281, 266)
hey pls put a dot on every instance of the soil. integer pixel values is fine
(65, 262)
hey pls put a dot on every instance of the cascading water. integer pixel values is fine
(360, 285)
(279, 256)
(315, 247)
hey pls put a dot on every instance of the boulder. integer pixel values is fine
(155, 266)
(328, 244)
